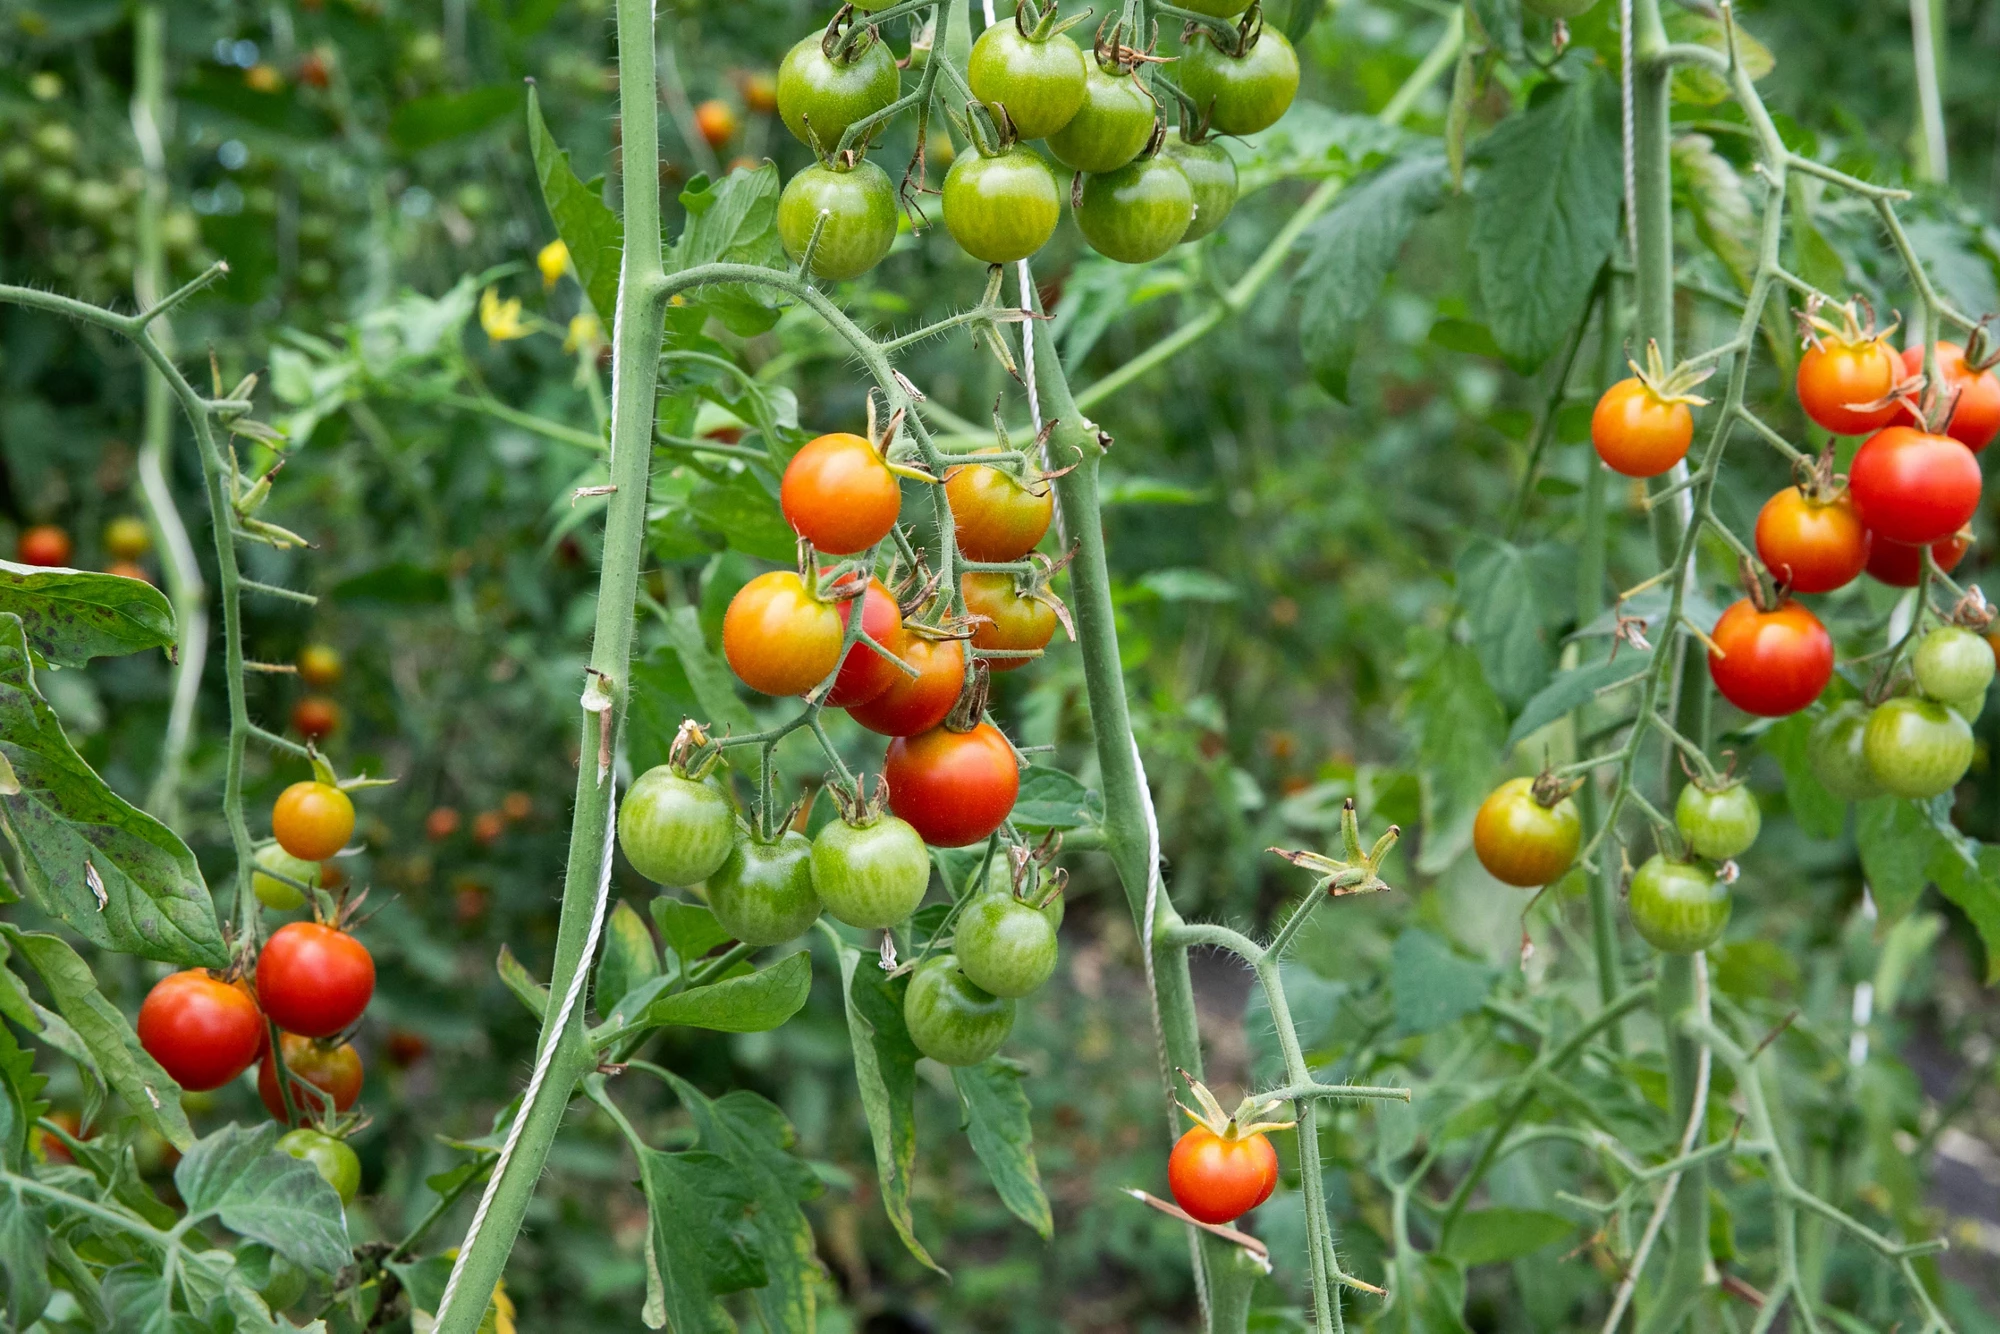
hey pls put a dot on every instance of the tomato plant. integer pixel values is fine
(1844, 382)
(1036, 73)
(839, 494)
(997, 516)
(1812, 545)
(1005, 946)
(763, 893)
(1136, 212)
(1640, 430)
(1246, 89)
(1013, 622)
(826, 85)
(779, 636)
(674, 828)
(1718, 823)
(1001, 208)
(914, 704)
(865, 674)
(336, 1163)
(1112, 124)
(852, 213)
(871, 873)
(1974, 394)
(1678, 907)
(1917, 748)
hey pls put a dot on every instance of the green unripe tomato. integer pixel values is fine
(1917, 747)
(1111, 127)
(1678, 907)
(1559, 9)
(675, 831)
(56, 142)
(1836, 753)
(870, 876)
(1968, 708)
(1242, 94)
(17, 165)
(1004, 945)
(1001, 208)
(860, 209)
(1041, 83)
(331, 1157)
(274, 893)
(832, 94)
(952, 1019)
(1138, 212)
(1952, 663)
(1718, 825)
(1211, 174)
(763, 893)
(180, 231)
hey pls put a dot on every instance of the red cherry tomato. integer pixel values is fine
(914, 704)
(1219, 1180)
(312, 820)
(1771, 663)
(864, 673)
(1976, 419)
(1817, 546)
(994, 515)
(1900, 565)
(1835, 377)
(314, 980)
(45, 544)
(1912, 486)
(441, 822)
(335, 1071)
(839, 495)
(778, 637)
(1638, 433)
(203, 1031)
(315, 717)
(954, 788)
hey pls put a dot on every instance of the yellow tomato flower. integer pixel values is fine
(585, 330)
(552, 260)
(501, 319)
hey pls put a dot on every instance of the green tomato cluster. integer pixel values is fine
(1917, 745)
(1682, 906)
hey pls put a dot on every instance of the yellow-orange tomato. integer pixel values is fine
(127, 537)
(1638, 433)
(994, 515)
(716, 121)
(839, 495)
(319, 665)
(1816, 546)
(778, 637)
(1217, 1180)
(1522, 842)
(312, 820)
(1836, 377)
(1013, 622)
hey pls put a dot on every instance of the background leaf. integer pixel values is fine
(72, 616)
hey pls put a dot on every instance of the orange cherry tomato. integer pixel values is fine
(839, 495)
(441, 822)
(778, 637)
(864, 673)
(1976, 418)
(45, 544)
(1900, 565)
(1013, 622)
(1218, 1180)
(994, 515)
(1520, 841)
(1836, 377)
(914, 704)
(487, 827)
(954, 788)
(1770, 663)
(1817, 546)
(312, 820)
(334, 1071)
(1638, 433)
(129, 569)
(716, 121)
(315, 717)
(760, 92)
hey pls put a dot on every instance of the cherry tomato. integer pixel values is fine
(859, 205)
(1836, 377)
(1900, 565)
(441, 822)
(1976, 418)
(870, 876)
(1637, 432)
(1111, 127)
(1816, 546)
(1522, 842)
(1720, 824)
(330, 1157)
(760, 93)
(1770, 663)
(1218, 1180)
(518, 806)
(1211, 174)
(778, 637)
(312, 820)
(404, 1048)
(829, 95)
(202, 1030)
(127, 538)
(314, 980)
(952, 1020)
(315, 717)
(1013, 623)
(864, 673)
(763, 892)
(319, 666)
(51, 1148)
(954, 788)
(914, 704)
(1040, 81)
(1241, 94)
(45, 544)
(1952, 663)
(275, 893)
(1678, 907)
(995, 516)
(1836, 750)
(1004, 945)
(839, 495)
(674, 830)
(1917, 748)
(715, 120)
(335, 1071)
(1912, 486)
(1001, 208)
(487, 827)
(1138, 212)
(126, 569)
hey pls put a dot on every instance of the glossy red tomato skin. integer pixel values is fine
(335, 1071)
(45, 544)
(1816, 546)
(1771, 663)
(312, 820)
(1836, 376)
(1637, 433)
(1218, 1180)
(865, 674)
(1900, 565)
(203, 1031)
(839, 495)
(1912, 486)
(917, 704)
(778, 637)
(954, 788)
(314, 980)
(1976, 419)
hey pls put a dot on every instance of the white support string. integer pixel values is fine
(1625, 104)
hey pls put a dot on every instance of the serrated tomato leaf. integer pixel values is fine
(240, 1177)
(72, 616)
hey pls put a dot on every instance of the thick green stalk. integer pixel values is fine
(635, 368)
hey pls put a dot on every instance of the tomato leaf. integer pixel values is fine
(1430, 985)
(23, 1102)
(745, 511)
(423, 121)
(1500, 21)
(1497, 590)
(689, 929)
(629, 958)
(754, 1003)
(1545, 215)
(1488, 1236)
(522, 982)
(994, 1114)
(1697, 84)
(732, 221)
(1969, 875)
(1817, 810)
(1459, 725)
(593, 233)
(72, 616)
(703, 1241)
(708, 675)
(885, 1068)
(24, 1257)
(240, 1177)
(1052, 799)
(1430, 1296)
(1571, 690)
(1896, 840)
